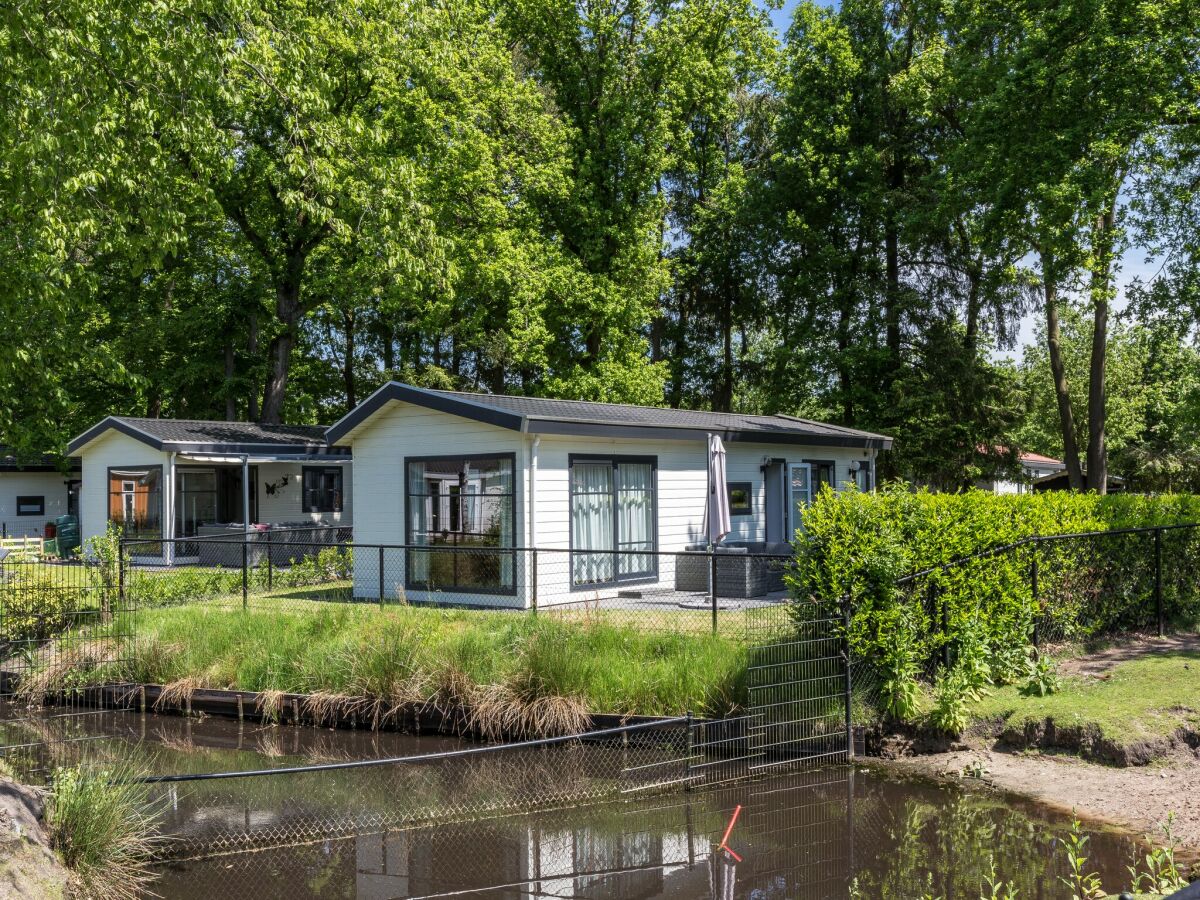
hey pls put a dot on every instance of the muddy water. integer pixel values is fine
(836, 832)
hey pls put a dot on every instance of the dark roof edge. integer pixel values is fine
(252, 449)
(80, 441)
(118, 424)
(683, 433)
(490, 415)
(394, 390)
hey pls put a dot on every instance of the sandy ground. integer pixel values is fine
(1097, 664)
(1138, 799)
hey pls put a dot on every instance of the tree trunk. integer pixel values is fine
(723, 396)
(348, 360)
(1101, 276)
(230, 371)
(279, 358)
(252, 352)
(1066, 416)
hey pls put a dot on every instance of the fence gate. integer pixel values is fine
(799, 696)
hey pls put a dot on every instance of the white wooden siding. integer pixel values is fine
(51, 486)
(286, 503)
(112, 449)
(380, 447)
(402, 430)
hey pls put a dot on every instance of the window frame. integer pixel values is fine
(31, 499)
(410, 547)
(814, 486)
(339, 506)
(615, 459)
(748, 487)
(161, 499)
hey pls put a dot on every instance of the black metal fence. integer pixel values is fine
(683, 590)
(1054, 594)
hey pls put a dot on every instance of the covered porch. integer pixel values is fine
(198, 508)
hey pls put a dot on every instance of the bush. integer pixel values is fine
(982, 611)
(34, 602)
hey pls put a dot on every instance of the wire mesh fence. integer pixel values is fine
(1056, 594)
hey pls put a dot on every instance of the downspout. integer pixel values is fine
(533, 464)
(531, 544)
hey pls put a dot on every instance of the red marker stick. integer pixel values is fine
(728, 831)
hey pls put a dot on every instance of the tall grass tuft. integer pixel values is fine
(102, 825)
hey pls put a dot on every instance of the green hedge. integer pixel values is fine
(983, 613)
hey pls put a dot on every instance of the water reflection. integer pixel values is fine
(818, 834)
(810, 836)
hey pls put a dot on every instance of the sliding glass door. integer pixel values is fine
(612, 520)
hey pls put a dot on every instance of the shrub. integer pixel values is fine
(36, 605)
(858, 548)
(102, 825)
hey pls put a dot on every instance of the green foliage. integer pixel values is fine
(34, 602)
(327, 565)
(1160, 873)
(102, 824)
(1042, 679)
(1084, 885)
(410, 654)
(859, 546)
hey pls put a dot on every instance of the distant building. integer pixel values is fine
(1034, 468)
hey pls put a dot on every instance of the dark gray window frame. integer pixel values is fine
(615, 459)
(512, 552)
(748, 487)
(25, 499)
(341, 493)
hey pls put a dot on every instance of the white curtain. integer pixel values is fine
(635, 516)
(419, 509)
(591, 521)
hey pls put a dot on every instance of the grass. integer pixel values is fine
(1140, 699)
(534, 674)
(103, 828)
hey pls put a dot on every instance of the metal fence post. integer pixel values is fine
(245, 573)
(1033, 590)
(849, 678)
(1158, 591)
(533, 583)
(381, 577)
(121, 572)
(687, 766)
(270, 569)
(712, 586)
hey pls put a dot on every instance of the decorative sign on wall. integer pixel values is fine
(272, 486)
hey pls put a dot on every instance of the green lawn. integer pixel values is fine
(1136, 700)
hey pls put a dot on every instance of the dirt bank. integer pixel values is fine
(1138, 799)
(28, 868)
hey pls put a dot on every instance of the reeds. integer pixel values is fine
(102, 824)
(495, 674)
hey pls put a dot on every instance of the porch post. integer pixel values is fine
(169, 501)
(246, 495)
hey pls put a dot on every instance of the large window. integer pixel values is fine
(462, 509)
(135, 501)
(322, 489)
(612, 520)
(211, 496)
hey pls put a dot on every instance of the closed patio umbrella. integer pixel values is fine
(717, 512)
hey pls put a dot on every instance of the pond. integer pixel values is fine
(833, 832)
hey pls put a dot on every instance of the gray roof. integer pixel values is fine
(581, 417)
(45, 462)
(201, 435)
